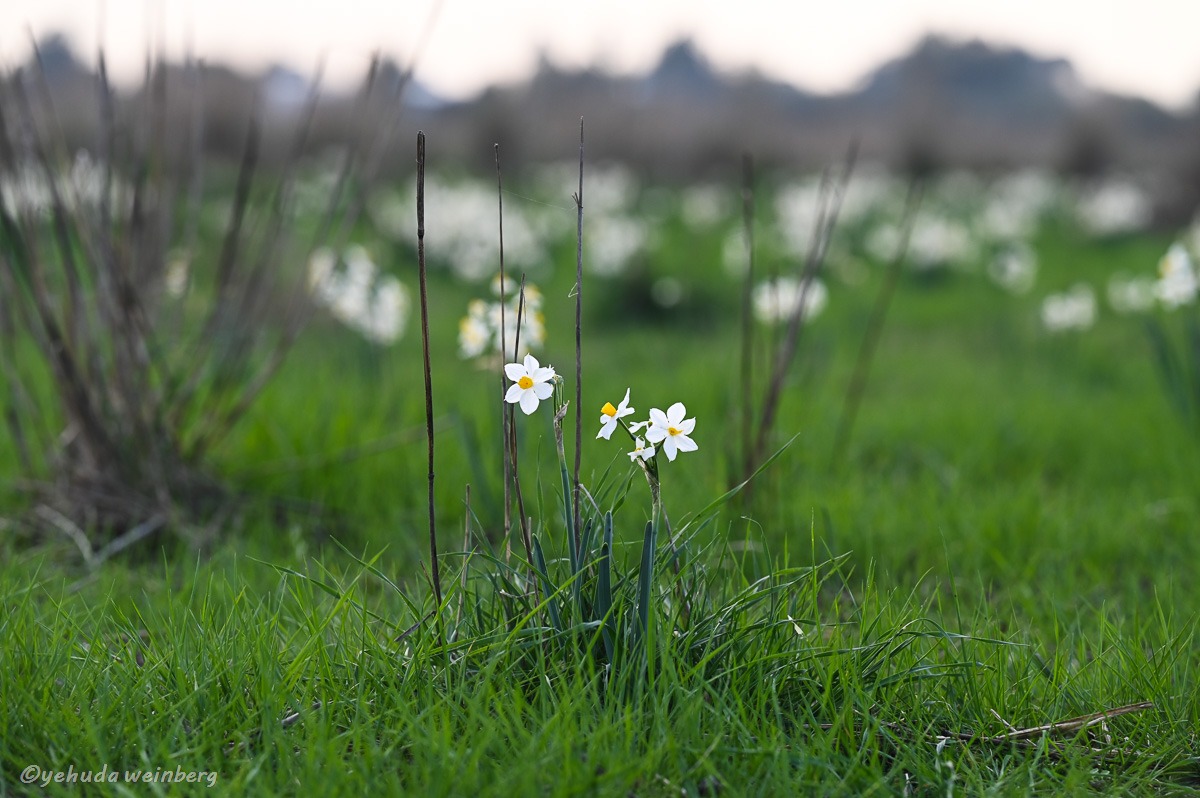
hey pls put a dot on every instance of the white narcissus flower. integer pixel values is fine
(1177, 284)
(610, 414)
(640, 449)
(532, 383)
(671, 430)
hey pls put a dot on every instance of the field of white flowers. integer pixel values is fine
(963, 565)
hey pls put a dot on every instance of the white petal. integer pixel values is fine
(684, 444)
(515, 371)
(623, 409)
(606, 429)
(675, 413)
(655, 434)
(668, 446)
(543, 389)
(531, 364)
(686, 427)
(658, 418)
(514, 394)
(648, 452)
(543, 374)
(529, 402)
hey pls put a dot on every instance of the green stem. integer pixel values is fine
(569, 516)
(649, 548)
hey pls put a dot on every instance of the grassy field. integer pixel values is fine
(1008, 542)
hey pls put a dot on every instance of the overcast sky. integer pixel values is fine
(1147, 47)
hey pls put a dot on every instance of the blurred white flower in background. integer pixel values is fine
(374, 305)
(312, 192)
(733, 253)
(533, 329)
(612, 242)
(1016, 204)
(667, 292)
(1074, 309)
(479, 332)
(86, 181)
(1131, 294)
(390, 214)
(1014, 268)
(883, 242)
(939, 241)
(26, 191)
(461, 226)
(936, 241)
(613, 234)
(705, 205)
(1003, 221)
(776, 300)
(797, 210)
(474, 330)
(609, 189)
(1177, 283)
(872, 188)
(1113, 207)
(175, 278)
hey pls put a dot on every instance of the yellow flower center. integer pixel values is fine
(525, 382)
(673, 431)
(608, 409)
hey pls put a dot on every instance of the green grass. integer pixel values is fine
(1011, 540)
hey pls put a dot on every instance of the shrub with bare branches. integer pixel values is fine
(154, 337)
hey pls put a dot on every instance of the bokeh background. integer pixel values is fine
(676, 88)
(1057, 150)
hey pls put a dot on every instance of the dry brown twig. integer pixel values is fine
(1029, 736)
(1062, 727)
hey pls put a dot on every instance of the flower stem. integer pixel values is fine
(572, 536)
(575, 532)
(650, 546)
(433, 550)
(505, 409)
